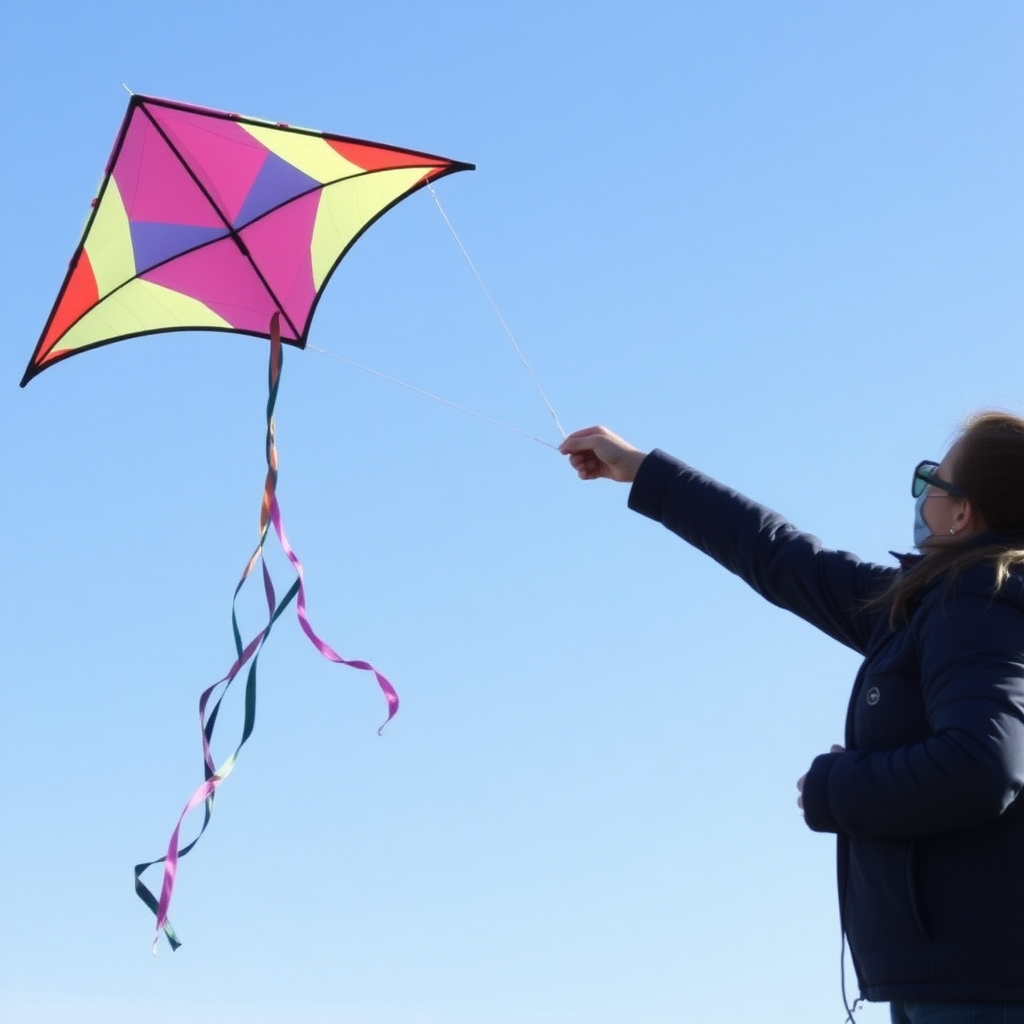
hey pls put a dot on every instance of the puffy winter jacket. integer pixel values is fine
(925, 801)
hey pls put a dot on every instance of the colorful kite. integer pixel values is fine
(210, 221)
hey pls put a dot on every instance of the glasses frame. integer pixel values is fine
(924, 476)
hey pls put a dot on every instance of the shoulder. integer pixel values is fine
(981, 582)
(974, 611)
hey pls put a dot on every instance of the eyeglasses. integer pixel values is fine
(924, 476)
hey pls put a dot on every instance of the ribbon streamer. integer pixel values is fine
(245, 654)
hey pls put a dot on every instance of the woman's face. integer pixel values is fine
(943, 512)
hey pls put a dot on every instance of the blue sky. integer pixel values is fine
(784, 241)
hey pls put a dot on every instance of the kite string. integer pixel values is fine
(432, 397)
(497, 312)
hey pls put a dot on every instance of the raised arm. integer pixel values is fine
(787, 567)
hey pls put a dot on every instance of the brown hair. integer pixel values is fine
(989, 467)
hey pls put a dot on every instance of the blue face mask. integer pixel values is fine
(922, 531)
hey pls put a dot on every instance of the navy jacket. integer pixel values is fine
(924, 801)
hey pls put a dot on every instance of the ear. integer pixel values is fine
(968, 521)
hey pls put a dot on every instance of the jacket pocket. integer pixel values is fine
(883, 906)
(914, 892)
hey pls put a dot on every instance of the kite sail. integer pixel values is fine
(211, 221)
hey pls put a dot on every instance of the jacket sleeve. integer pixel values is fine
(971, 768)
(789, 568)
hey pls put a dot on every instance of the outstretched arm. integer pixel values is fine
(789, 568)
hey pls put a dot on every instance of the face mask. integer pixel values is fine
(922, 531)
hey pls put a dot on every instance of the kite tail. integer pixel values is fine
(246, 654)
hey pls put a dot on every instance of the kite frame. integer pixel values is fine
(141, 102)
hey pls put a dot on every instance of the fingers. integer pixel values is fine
(588, 437)
(587, 432)
(802, 781)
(585, 449)
(587, 466)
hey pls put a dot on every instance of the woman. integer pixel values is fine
(925, 798)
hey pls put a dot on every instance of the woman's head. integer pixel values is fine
(970, 511)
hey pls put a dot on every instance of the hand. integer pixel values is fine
(836, 749)
(596, 452)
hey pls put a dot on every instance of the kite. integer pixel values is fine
(206, 220)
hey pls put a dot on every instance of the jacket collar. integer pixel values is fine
(910, 559)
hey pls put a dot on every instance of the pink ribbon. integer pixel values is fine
(270, 514)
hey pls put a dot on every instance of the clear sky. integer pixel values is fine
(783, 240)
